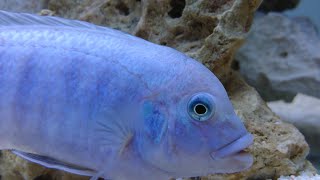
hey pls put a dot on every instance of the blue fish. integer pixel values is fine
(99, 102)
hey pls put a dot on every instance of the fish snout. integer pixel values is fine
(233, 148)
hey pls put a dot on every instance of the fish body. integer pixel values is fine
(98, 102)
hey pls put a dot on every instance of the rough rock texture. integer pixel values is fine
(210, 31)
(304, 113)
(281, 57)
(278, 6)
(303, 176)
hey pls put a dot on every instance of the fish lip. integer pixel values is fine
(234, 147)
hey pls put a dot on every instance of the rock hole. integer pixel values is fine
(123, 8)
(163, 43)
(177, 8)
(43, 177)
(235, 65)
(284, 54)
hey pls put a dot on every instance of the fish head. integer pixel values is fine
(191, 129)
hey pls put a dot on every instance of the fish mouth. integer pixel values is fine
(234, 148)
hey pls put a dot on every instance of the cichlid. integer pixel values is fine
(99, 102)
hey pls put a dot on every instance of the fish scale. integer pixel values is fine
(97, 102)
(29, 115)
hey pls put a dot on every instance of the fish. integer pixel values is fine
(98, 102)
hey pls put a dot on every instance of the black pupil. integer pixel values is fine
(200, 109)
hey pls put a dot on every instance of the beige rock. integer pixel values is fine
(210, 31)
(304, 113)
(302, 176)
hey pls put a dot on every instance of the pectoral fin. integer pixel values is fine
(55, 164)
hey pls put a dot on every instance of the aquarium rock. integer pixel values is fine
(302, 176)
(306, 8)
(210, 31)
(304, 113)
(281, 57)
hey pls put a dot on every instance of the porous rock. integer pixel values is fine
(281, 57)
(304, 113)
(303, 176)
(210, 31)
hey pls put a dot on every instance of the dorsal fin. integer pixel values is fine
(8, 19)
(24, 19)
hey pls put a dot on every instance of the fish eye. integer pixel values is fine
(201, 107)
